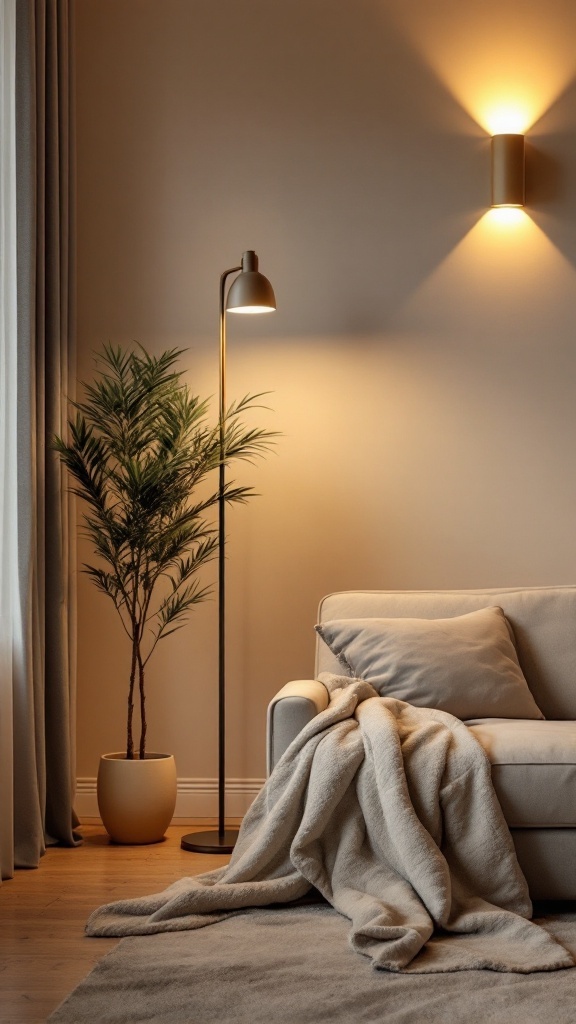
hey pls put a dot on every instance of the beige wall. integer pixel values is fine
(423, 357)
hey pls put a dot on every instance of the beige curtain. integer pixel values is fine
(9, 596)
(44, 656)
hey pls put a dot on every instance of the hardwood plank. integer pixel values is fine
(44, 952)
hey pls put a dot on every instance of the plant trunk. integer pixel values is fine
(129, 735)
(142, 707)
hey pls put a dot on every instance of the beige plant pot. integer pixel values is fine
(136, 798)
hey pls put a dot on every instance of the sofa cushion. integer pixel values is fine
(465, 664)
(533, 770)
(543, 620)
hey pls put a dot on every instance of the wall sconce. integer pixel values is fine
(507, 170)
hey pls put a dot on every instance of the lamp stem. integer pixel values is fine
(223, 841)
(222, 565)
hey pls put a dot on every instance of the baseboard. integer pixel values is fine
(196, 798)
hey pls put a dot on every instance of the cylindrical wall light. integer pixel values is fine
(507, 170)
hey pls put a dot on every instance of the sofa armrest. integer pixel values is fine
(296, 704)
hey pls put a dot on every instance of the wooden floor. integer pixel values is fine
(43, 950)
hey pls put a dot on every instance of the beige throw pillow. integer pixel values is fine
(466, 665)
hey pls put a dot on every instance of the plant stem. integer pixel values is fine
(142, 706)
(129, 737)
(136, 637)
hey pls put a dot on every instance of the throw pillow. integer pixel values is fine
(466, 665)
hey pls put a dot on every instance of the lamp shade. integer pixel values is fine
(251, 292)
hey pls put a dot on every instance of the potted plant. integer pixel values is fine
(140, 452)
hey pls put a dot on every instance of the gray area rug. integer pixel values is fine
(294, 966)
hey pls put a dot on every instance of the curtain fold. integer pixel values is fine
(9, 600)
(43, 669)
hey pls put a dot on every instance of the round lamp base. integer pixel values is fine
(210, 842)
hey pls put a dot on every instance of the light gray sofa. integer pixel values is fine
(533, 761)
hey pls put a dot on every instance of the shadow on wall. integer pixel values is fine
(553, 173)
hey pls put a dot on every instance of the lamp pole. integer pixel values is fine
(251, 292)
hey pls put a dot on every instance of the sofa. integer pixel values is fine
(533, 760)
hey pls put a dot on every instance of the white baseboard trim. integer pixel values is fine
(196, 798)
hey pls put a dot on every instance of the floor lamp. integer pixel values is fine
(251, 292)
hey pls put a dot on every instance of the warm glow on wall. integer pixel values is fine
(506, 216)
(504, 63)
(503, 118)
(501, 264)
(512, 239)
(497, 108)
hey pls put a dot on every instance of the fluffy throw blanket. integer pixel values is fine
(389, 811)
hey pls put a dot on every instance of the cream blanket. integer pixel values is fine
(389, 811)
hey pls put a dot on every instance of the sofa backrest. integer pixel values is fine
(543, 620)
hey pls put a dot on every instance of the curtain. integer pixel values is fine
(9, 602)
(42, 679)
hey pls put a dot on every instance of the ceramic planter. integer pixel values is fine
(136, 798)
